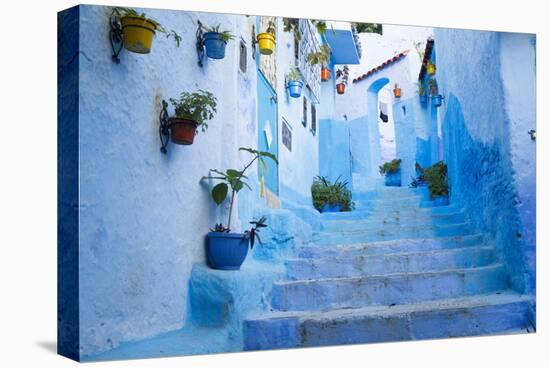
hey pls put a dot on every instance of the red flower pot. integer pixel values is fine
(182, 131)
(340, 88)
(325, 74)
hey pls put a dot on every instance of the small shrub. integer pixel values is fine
(390, 167)
(324, 192)
(436, 177)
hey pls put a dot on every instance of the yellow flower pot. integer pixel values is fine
(137, 34)
(430, 68)
(266, 43)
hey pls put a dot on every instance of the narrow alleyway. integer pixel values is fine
(390, 270)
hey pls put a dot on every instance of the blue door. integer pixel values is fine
(267, 132)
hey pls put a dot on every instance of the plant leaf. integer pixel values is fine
(219, 193)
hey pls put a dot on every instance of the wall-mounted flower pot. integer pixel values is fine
(331, 208)
(430, 69)
(393, 178)
(295, 88)
(397, 92)
(182, 131)
(340, 88)
(137, 34)
(325, 74)
(266, 43)
(226, 251)
(437, 100)
(215, 45)
(423, 99)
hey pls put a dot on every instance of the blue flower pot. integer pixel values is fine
(215, 45)
(295, 88)
(440, 201)
(393, 178)
(437, 100)
(424, 99)
(331, 208)
(226, 251)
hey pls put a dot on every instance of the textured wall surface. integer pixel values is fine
(476, 139)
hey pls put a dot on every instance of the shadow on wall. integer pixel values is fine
(480, 178)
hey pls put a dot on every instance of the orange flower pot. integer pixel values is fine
(325, 74)
(340, 88)
(182, 131)
(397, 92)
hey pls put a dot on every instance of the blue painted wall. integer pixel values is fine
(477, 131)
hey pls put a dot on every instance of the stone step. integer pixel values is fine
(329, 293)
(363, 213)
(487, 314)
(358, 266)
(393, 219)
(390, 247)
(391, 233)
(387, 193)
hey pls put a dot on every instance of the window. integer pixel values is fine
(313, 119)
(242, 56)
(287, 135)
(304, 118)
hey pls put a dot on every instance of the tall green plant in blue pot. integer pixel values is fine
(294, 83)
(437, 99)
(331, 197)
(215, 42)
(438, 183)
(392, 172)
(227, 250)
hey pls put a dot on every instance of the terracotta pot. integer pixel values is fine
(340, 88)
(182, 131)
(325, 74)
(397, 92)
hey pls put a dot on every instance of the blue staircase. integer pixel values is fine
(391, 270)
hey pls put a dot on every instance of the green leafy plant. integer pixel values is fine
(390, 167)
(270, 27)
(130, 12)
(293, 74)
(235, 180)
(432, 86)
(436, 177)
(199, 106)
(343, 74)
(320, 57)
(325, 192)
(225, 35)
(368, 28)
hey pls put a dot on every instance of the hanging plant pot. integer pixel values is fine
(325, 74)
(215, 45)
(295, 88)
(430, 69)
(226, 251)
(331, 208)
(423, 99)
(397, 92)
(340, 88)
(137, 34)
(182, 131)
(437, 100)
(266, 43)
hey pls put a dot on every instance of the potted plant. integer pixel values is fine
(437, 99)
(138, 31)
(392, 171)
(342, 76)
(192, 110)
(331, 197)
(420, 180)
(430, 68)
(438, 184)
(294, 83)
(226, 250)
(422, 93)
(215, 42)
(397, 91)
(321, 57)
(266, 40)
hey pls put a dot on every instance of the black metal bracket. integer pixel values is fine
(533, 134)
(115, 35)
(200, 43)
(164, 127)
(254, 41)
